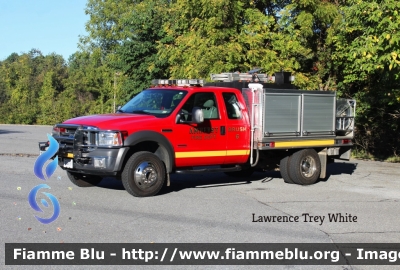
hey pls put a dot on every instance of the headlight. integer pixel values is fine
(57, 131)
(109, 138)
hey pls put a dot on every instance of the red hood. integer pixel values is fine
(112, 120)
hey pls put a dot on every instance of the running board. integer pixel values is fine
(211, 170)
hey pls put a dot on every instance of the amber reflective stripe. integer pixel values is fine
(211, 153)
(200, 154)
(304, 143)
(70, 155)
(237, 152)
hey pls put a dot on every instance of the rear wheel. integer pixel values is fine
(305, 167)
(143, 175)
(284, 168)
(84, 180)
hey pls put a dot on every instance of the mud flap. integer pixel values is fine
(323, 157)
(345, 153)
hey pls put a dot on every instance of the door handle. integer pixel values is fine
(222, 130)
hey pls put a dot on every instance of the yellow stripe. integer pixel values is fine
(70, 155)
(211, 153)
(304, 143)
(237, 152)
(200, 154)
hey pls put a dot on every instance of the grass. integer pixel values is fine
(361, 154)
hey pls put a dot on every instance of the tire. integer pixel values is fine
(243, 173)
(84, 180)
(284, 168)
(143, 175)
(305, 167)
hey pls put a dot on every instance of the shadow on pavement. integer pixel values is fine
(111, 183)
(338, 168)
(211, 180)
(10, 131)
(341, 168)
(215, 180)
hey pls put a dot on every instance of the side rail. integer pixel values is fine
(253, 99)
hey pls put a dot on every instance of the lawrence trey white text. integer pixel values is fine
(306, 217)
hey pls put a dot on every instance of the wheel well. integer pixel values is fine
(150, 146)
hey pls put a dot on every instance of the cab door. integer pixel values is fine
(200, 144)
(237, 129)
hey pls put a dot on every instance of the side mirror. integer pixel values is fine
(197, 115)
(178, 118)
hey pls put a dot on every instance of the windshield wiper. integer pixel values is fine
(140, 112)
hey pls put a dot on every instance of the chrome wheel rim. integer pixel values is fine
(308, 167)
(145, 175)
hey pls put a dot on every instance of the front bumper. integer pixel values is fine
(77, 153)
(99, 161)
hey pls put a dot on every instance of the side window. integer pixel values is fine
(176, 99)
(232, 106)
(205, 101)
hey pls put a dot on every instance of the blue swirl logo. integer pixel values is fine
(35, 206)
(41, 160)
(49, 170)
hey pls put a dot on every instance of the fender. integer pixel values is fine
(165, 152)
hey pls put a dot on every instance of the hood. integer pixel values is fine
(112, 120)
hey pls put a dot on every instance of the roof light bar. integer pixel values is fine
(179, 82)
(196, 82)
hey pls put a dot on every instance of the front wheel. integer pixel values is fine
(143, 175)
(83, 180)
(305, 167)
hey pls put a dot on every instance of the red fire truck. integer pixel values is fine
(230, 125)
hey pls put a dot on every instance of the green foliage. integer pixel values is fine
(106, 26)
(367, 39)
(92, 81)
(309, 22)
(206, 37)
(20, 84)
(37, 89)
(125, 33)
(366, 42)
(202, 37)
(137, 57)
(46, 101)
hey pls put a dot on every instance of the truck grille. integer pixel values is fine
(89, 138)
(73, 137)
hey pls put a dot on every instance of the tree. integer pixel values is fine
(126, 34)
(202, 38)
(20, 107)
(137, 56)
(107, 24)
(308, 22)
(90, 81)
(22, 81)
(366, 41)
(206, 37)
(47, 101)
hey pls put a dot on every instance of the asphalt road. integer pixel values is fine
(207, 208)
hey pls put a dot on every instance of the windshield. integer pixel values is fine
(157, 102)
